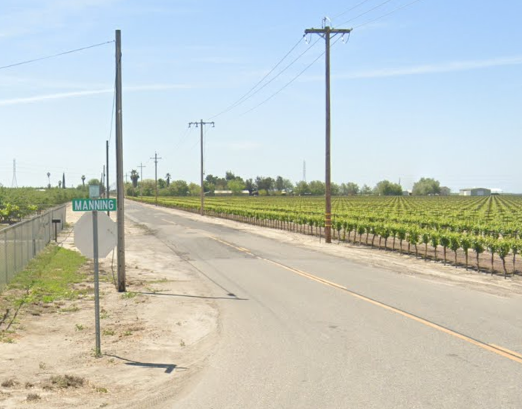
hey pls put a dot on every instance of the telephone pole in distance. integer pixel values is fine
(326, 33)
(156, 173)
(141, 166)
(201, 124)
(107, 192)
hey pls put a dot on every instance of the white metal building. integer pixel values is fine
(475, 191)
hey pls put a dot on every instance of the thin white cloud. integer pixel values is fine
(49, 97)
(74, 94)
(156, 87)
(454, 66)
(447, 67)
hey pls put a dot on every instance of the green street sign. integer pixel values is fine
(88, 205)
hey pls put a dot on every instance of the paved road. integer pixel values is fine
(311, 330)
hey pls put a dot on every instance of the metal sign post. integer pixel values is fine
(100, 246)
(96, 282)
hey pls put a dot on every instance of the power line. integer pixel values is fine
(387, 14)
(250, 94)
(350, 9)
(290, 82)
(55, 55)
(367, 11)
(183, 138)
(112, 113)
(259, 82)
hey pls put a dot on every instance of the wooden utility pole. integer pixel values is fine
(326, 32)
(107, 194)
(201, 124)
(141, 166)
(156, 173)
(119, 169)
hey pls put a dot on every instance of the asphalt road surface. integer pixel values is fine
(303, 329)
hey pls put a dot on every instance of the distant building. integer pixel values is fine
(406, 193)
(229, 192)
(223, 192)
(476, 191)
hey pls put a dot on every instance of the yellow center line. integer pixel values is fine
(507, 350)
(226, 243)
(504, 352)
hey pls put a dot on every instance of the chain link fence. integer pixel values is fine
(22, 241)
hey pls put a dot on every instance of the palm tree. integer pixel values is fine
(49, 178)
(134, 177)
(167, 176)
(83, 180)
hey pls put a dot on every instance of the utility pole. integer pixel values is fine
(156, 173)
(107, 194)
(141, 166)
(326, 33)
(14, 183)
(119, 169)
(102, 179)
(201, 125)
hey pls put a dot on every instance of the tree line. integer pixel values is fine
(268, 186)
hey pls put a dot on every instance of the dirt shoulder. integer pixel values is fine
(154, 340)
(387, 260)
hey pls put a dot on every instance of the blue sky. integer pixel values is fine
(431, 90)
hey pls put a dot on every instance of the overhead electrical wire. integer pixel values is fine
(55, 55)
(367, 11)
(256, 87)
(251, 92)
(387, 14)
(350, 9)
(112, 114)
(291, 81)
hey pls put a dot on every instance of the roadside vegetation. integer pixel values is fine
(48, 280)
(19, 203)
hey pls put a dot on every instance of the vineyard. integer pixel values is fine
(19, 203)
(484, 233)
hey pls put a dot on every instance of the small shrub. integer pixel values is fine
(67, 381)
(108, 332)
(32, 397)
(9, 383)
(128, 295)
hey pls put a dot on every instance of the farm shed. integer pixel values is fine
(476, 191)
